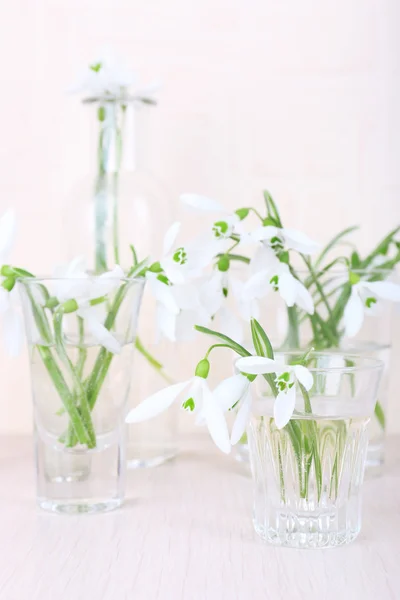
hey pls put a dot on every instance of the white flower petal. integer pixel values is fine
(287, 285)
(242, 419)
(170, 237)
(353, 315)
(4, 300)
(12, 332)
(384, 289)
(297, 240)
(163, 294)
(173, 270)
(186, 296)
(256, 365)
(304, 299)
(264, 233)
(284, 406)
(265, 259)
(230, 391)
(7, 234)
(211, 295)
(304, 376)
(156, 404)
(99, 332)
(202, 203)
(166, 323)
(216, 423)
(257, 286)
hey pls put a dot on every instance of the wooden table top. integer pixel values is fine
(185, 533)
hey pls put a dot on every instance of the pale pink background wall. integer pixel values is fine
(299, 96)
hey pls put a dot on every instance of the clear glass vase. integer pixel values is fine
(308, 476)
(122, 203)
(291, 329)
(81, 335)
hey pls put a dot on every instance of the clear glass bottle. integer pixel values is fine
(124, 204)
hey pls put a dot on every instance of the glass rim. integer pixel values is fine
(345, 270)
(120, 98)
(364, 363)
(90, 277)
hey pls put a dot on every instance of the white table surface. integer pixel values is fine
(185, 533)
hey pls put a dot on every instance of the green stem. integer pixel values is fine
(78, 386)
(152, 360)
(61, 386)
(82, 350)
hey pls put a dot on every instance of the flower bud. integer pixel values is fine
(70, 306)
(8, 283)
(203, 368)
(353, 278)
(223, 263)
(242, 213)
(52, 302)
(6, 270)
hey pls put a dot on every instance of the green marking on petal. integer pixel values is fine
(180, 256)
(220, 228)
(163, 279)
(370, 302)
(189, 405)
(96, 67)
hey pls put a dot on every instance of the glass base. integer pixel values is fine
(305, 532)
(77, 480)
(144, 458)
(375, 460)
(79, 506)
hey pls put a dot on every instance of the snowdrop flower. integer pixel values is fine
(10, 309)
(178, 307)
(229, 224)
(181, 263)
(73, 283)
(206, 404)
(284, 238)
(272, 274)
(364, 299)
(107, 74)
(286, 377)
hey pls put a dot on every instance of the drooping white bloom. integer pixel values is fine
(269, 273)
(284, 238)
(198, 398)
(10, 308)
(286, 377)
(364, 299)
(107, 74)
(71, 282)
(178, 307)
(222, 228)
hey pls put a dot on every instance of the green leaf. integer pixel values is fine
(355, 260)
(228, 341)
(272, 208)
(333, 243)
(381, 248)
(380, 415)
(262, 344)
